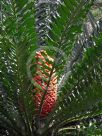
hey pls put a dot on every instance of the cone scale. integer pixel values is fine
(51, 88)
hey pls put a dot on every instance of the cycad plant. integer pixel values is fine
(50, 66)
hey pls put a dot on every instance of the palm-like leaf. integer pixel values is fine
(82, 89)
(17, 38)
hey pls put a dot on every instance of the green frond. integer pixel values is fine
(17, 41)
(64, 28)
(64, 32)
(82, 90)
